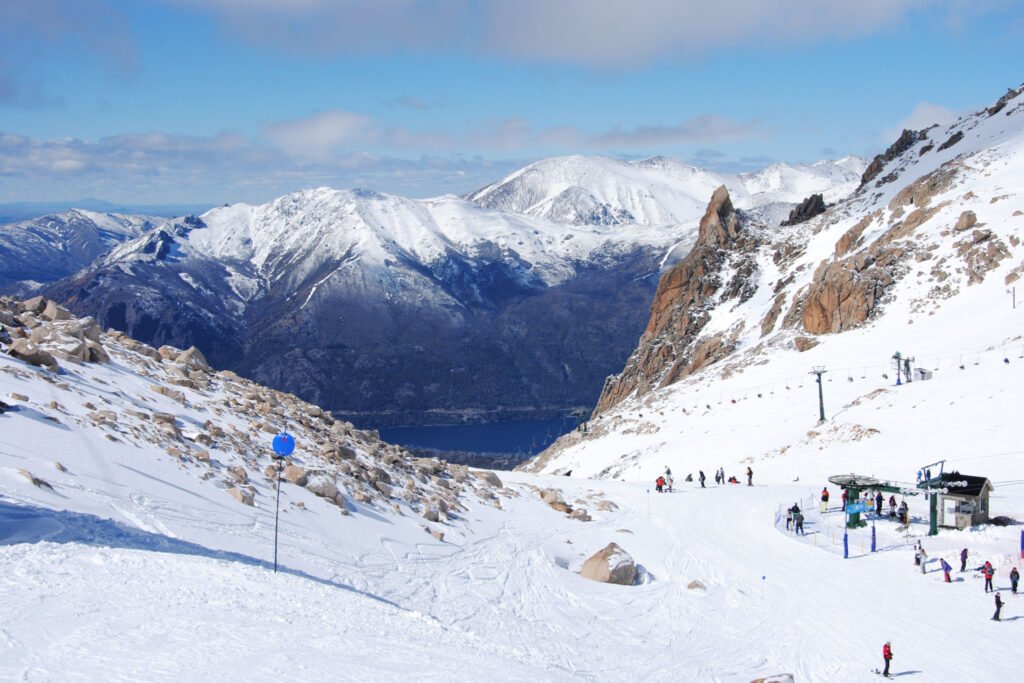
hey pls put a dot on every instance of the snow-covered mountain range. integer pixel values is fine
(655, 191)
(432, 310)
(42, 250)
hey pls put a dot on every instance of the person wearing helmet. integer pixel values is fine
(887, 656)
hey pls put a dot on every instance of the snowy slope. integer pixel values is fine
(137, 565)
(598, 190)
(41, 250)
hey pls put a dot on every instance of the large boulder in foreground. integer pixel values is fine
(612, 564)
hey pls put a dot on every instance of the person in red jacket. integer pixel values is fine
(887, 656)
(845, 496)
(989, 573)
(824, 499)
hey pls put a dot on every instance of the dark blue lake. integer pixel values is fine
(527, 437)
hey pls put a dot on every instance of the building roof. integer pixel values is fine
(964, 484)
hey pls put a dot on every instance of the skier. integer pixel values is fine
(892, 507)
(945, 568)
(924, 556)
(798, 518)
(887, 656)
(988, 572)
(700, 476)
(917, 554)
(999, 606)
(846, 494)
(878, 504)
(750, 476)
(789, 517)
(1014, 580)
(904, 513)
(721, 475)
(659, 484)
(824, 499)
(963, 560)
(669, 482)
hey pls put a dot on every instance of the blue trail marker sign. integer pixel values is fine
(284, 445)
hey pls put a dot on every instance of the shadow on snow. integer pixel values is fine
(31, 524)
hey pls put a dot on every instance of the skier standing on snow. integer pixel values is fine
(999, 606)
(750, 476)
(1014, 580)
(987, 571)
(669, 483)
(798, 517)
(878, 504)
(924, 556)
(659, 484)
(945, 568)
(846, 494)
(887, 656)
(963, 560)
(892, 507)
(700, 476)
(824, 499)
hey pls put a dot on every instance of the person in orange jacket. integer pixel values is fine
(887, 656)
(824, 499)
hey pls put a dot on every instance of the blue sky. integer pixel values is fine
(213, 101)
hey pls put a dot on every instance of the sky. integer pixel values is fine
(216, 101)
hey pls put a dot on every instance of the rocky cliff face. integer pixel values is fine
(835, 269)
(720, 268)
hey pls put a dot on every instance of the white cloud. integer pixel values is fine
(601, 33)
(923, 115)
(321, 135)
(334, 147)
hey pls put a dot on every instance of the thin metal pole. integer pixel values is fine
(277, 512)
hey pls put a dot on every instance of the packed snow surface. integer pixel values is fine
(132, 566)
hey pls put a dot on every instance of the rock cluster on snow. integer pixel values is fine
(334, 461)
(43, 333)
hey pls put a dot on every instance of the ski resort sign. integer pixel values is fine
(856, 508)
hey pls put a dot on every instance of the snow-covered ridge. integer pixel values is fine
(57, 245)
(659, 190)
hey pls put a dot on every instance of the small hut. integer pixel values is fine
(965, 502)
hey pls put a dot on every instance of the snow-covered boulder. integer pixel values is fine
(611, 564)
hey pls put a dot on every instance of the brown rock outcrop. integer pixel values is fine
(611, 564)
(842, 296)
(671, 348)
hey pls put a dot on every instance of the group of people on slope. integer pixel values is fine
(987, 571)
(664, 481)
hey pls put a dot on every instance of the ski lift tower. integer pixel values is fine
(932, 486)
